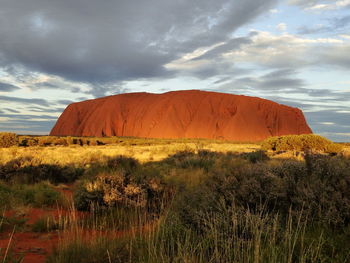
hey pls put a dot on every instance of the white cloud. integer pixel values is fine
(343, 3)
(186, 62)
(268, 50)
(331, 6)
(287, 50)
(281, 27)
(318, 5)
(345, 36)
(321, 7)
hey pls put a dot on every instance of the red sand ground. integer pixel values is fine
(181, 114)
(36, 247)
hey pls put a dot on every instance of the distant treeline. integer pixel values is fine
(8, 139)
(300, 143)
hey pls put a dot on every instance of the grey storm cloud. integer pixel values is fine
(110, 41)
(337, 57)
(307, 30)
(11, 110)
(341, 21)
(47, 110)
(64, 102)
(303, 2)
(5, 87)
(214, 69)
(329, 121)
(28, 116)
(23, 126)
(41, 102)
(278, 80)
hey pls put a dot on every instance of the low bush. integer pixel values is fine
(8, 139)
(45, 140)
(189, 160)
(318, 188)
(334, 148)
(53, 141)
(304, 142)
(244, 208)
(70, 140)
(26, 170)
(60, 141)
(121, 182)
(256, 156)
(28, 141)
(38, 195)
(126, 164)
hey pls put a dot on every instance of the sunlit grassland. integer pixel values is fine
(81, 155)
(186, 200)
(347, 150)
(235, 209)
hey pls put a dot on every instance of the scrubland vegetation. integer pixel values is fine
(139, 200)
(305, 142)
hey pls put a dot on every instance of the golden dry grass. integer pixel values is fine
(346, 151)
(82, 155)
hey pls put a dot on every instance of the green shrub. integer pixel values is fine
(256, 156)
(59, 141)
(70, 140)
(314, 142)
(84, 199)
(45, 140)
(128, 165)
(41, 194)
(334, 148)
(318, 188)
(113, 189)
(27, 170)
(189, 160)
(8, 139)
(38, 195)
(28, 141)
(45, 195)
(52, 140)
(304, 142)
(121, 182)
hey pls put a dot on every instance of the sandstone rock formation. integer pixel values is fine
(181, 114)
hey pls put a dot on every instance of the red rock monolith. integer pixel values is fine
(181, 114)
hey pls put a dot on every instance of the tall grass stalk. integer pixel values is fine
(249, 237)
(8, 245)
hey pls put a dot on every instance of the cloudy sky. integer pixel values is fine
(295, 52)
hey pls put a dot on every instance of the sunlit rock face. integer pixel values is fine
(181, 114)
